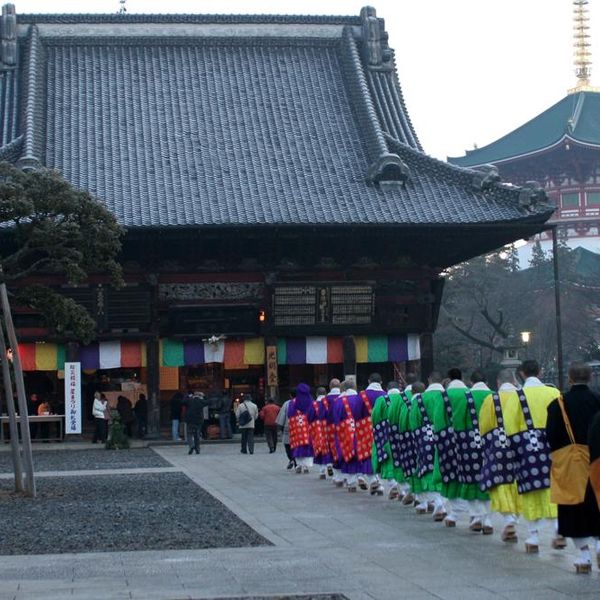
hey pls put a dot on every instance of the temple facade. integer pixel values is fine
(283, 223)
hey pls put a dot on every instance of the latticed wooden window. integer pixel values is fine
(593, 198)
(569, 200)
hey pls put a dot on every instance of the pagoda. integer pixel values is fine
(560, 149)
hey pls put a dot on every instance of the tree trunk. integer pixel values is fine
(20, 385)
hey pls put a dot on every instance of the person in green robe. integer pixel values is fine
(382, 459)
(399, 413)
(427, 482)
(461, 489)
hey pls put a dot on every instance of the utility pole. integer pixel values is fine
(559, 344)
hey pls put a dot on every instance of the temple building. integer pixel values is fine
(283, 223)
(560, 149)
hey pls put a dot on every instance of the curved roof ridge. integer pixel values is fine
(96, 18)
(361, 96)
(573, 120)
(529, 199)
(9, 111)
(392, 113)
(30, 158)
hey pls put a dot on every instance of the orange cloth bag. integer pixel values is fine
(570, 468)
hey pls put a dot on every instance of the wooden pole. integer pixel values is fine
(12, 419)
(21, 397)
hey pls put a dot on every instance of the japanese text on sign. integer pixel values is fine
(72, 397)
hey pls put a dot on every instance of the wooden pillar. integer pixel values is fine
(153, 365)
(349, 348)
(426, 355)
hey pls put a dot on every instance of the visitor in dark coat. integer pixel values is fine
(194, 417)
(141, 415)
(578, 521)
(126, 413)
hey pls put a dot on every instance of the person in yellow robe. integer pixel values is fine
(535, 505)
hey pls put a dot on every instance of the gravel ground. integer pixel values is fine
(75, 460)
(107, 513)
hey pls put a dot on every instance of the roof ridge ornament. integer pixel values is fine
(532, 196)
(376, 51)
(122, 8)
(485, 176)
(582, 55)
(8, 35)
(388, 168)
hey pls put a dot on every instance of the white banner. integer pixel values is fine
(72, 397)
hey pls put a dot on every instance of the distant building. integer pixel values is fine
(560, 149)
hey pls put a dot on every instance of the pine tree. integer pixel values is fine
(538, 256)
(512, 259)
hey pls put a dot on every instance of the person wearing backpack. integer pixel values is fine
(246, 414)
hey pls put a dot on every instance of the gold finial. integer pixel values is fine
(582, 55)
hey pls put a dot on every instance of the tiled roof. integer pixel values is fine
(271, 120)
(576, 117)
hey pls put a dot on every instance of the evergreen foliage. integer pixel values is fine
(49, 227)
(538, 256)
(117, 438)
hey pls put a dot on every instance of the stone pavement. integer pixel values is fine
(325, 541)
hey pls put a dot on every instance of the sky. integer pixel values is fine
(471, 70)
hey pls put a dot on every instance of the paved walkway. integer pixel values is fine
(325, 541)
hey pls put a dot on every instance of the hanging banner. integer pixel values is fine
(73, 398)
(272, 379)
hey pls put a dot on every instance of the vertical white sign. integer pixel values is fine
(72, 397)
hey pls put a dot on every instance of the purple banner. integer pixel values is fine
(90, 356)
(397, 348)
(193, 353)
(296, 351)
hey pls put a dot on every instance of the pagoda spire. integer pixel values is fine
(582, 54)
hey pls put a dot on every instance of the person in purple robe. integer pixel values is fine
(328, 402)
(373, 391)
(318, 428)
(300, 415)
(334, 399)
(352, 407)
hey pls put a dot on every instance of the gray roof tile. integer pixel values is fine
(206, 131)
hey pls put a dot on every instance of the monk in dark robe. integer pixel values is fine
(577, 521)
